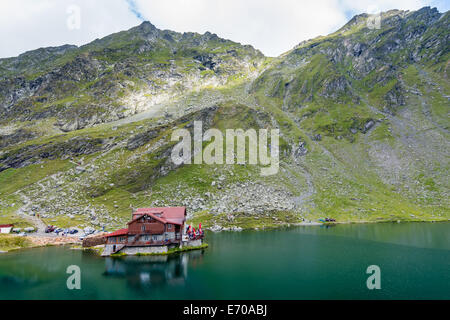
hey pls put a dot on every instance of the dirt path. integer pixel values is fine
(37, 222)
(308, 189)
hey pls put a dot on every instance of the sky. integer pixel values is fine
(272, 26)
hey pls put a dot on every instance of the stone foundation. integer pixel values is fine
(144, 250)
(193, 243)
(131, 251)
(135, 250)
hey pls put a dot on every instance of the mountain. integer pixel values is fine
(117, 76)
(363, 115)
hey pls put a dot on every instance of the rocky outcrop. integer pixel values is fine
(62, 150)
(96, 83)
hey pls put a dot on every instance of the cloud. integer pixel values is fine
(273, 26)
(30, 24)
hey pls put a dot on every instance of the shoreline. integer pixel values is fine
(315, 223)
(39, 241)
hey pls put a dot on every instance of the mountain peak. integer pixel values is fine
(427, 14)
(147, 25)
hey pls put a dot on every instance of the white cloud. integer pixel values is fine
(30, 24)
(384, 5)
(273, 26)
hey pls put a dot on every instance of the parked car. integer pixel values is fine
(88, 231)
(49, 229)
(73, 231)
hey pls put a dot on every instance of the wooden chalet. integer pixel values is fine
(150, 227)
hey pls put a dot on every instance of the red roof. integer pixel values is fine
(6, 225)
(174, 215)
(120, 232)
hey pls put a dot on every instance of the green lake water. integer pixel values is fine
(313, 262)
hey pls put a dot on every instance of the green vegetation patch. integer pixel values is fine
(244, 220)
(11, 242)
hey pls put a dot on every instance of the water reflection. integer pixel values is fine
(420, 235)
(143, 272)
(327, 226)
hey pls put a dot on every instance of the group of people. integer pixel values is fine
(194, 234)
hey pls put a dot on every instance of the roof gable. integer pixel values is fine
(173, 215)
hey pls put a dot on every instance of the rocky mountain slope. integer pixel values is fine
(117, 76)
(363, 116)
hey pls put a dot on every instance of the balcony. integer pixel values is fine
(141, 243)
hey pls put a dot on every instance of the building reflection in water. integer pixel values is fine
(152, 271)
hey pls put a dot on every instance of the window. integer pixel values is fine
(169, 226)
(143, 227)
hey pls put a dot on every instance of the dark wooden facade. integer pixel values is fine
(147, 230)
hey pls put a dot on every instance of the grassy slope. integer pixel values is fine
(347, 187)
(8, 242)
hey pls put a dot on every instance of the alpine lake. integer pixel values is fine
(303, 262)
